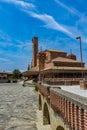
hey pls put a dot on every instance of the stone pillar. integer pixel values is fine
(83, 84)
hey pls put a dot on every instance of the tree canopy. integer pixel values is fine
(16, 74)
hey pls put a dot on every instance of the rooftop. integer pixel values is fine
(62, 59)
(62, 68)
(51, 50)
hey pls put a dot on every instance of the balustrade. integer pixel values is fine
(73, 115)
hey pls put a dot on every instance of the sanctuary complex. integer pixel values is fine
(55, 67)
(62, 88)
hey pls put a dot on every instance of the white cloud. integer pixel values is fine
(70, 9)
(20, 3)
(4, 60)
(50, 22)
(4, 36)
(80, 23)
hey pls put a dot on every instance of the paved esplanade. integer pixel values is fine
(18, 107)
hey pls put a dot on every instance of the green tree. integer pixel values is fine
(16, 74)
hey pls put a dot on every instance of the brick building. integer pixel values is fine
(62, 107)
(54, 66)
(3, 77)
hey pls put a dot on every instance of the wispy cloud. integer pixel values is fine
(80, 23)
(4, 60)
(7, 42)
(50, 22)
(20, 3)
(4, 36)
(70, 9)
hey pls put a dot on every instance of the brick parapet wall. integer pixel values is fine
(45, 91)
(63, 82)
(74, 115)
(85, 120)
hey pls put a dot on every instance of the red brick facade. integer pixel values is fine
(54, 64)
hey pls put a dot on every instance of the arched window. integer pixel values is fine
(40, 102)
(60, 128)
(46, 116)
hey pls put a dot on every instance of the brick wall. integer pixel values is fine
(45, 91)
(66, 82)
(73, 115)
(69, 64)
(57, 54)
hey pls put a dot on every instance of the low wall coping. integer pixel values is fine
(74, 98)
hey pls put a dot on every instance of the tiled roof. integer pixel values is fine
(62, 59)
(33, 70)
(65, 68)
(55, 50)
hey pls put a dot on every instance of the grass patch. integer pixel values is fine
(36, 88)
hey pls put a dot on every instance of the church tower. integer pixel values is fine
(35, 51)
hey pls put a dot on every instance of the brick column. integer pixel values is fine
(81, 118)
(62, 111)
(66, 110)
(58, 103)
(85, 119)
(63, 107)
(76, 117)
(72, 116)
(69, 113)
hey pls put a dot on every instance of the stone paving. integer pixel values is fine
(18, 106)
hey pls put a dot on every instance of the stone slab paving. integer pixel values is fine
(18, 106)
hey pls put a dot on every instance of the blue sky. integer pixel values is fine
(55, 22)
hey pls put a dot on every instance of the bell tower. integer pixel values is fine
(35, 51)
